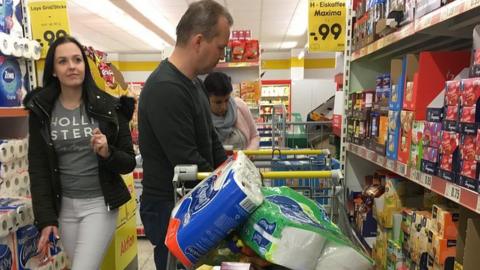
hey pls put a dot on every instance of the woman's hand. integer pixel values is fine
(44, 242)
(99, 144)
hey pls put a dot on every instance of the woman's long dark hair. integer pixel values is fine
(51, 81)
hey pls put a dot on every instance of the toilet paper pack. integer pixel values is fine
(8, 253)
(291, 230)
(26, 239)
(219, 204)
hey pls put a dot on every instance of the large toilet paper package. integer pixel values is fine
(291, 230)
(12, 88)
(216, 206)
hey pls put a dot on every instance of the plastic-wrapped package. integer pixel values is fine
(219, 204)
(291, 230)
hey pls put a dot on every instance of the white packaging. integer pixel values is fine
(7, 149)
(341, 257)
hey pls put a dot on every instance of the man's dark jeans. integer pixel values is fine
(155, 215)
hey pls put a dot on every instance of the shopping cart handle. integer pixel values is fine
(185, 173)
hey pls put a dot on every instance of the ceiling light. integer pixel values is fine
(149, 9)
(288, 45)
(119, 18)
(299, 23)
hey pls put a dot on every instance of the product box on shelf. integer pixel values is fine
(451, 118)
(432, 134)
(397, 71)
(442, 249)
(406, 121)
(445, 221)
(449, 157)
(475, 62)
(477, 148)
(468, 146)
(416, 152)
(393, 134)
(426, 6)
(470, 92)
(469, 119)
(469, 174)
(383, 91)
(429, 162)
(410, 67)
(434, 69)
(452, 93)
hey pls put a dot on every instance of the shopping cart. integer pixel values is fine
(186, 173)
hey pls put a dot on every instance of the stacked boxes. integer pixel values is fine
(431, 143)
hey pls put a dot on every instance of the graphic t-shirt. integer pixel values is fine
(71, 131)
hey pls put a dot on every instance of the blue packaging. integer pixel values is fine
(10, 82)
(27, 239)
(6, 257)
(219, 204)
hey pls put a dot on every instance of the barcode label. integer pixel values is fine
(453, 192)
(248, 205)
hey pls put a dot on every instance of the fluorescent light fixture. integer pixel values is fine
(151, 11)
(299, 23)
(288, 45)
(107, 10)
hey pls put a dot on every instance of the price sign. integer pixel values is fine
(415, 175)
(453, 192)
(401, 168)
(390, 165)
(49, 21)
(326, 25)
(426, 180)
(381, 160)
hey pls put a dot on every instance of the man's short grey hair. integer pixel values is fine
(201, 18)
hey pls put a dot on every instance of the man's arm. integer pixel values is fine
(170, 113)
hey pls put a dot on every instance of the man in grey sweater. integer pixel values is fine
(175, 126)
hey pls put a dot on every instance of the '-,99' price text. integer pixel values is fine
(324, 30)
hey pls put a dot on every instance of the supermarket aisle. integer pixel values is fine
(145, 255)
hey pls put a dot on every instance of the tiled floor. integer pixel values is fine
(145, 255)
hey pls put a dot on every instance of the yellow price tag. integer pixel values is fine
(49, 21)
(326, 25)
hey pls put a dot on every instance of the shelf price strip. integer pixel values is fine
(478, 204)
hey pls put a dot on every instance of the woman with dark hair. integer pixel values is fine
(80, 145)
(231, 116)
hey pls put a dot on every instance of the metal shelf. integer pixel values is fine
(451, 191)
(449, 27)
(13, 112)
(237, 64)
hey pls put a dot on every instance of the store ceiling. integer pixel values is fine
(278, 24)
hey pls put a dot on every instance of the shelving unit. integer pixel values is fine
(274, 92)
(448, 28)
(465, 197)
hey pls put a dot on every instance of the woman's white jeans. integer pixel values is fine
(86, 229)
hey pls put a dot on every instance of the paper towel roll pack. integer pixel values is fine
(216, 206)
(291, 230)
(7, 150)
